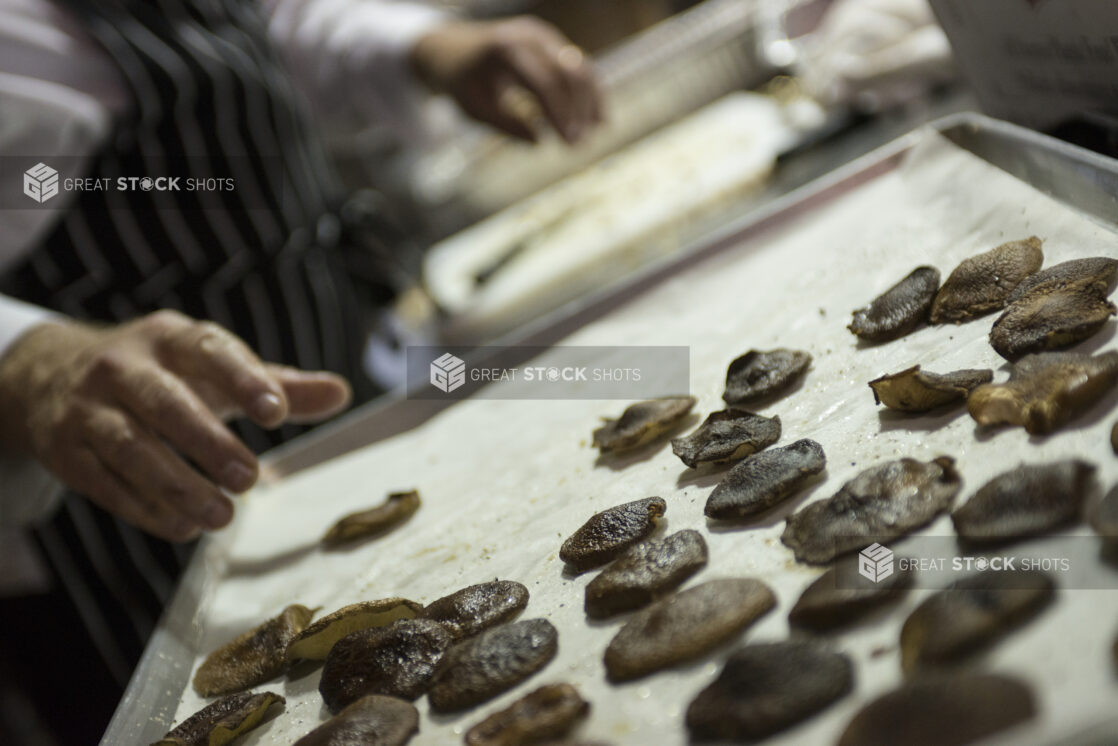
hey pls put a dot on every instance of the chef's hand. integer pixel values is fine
(479, 63)
(116, 412)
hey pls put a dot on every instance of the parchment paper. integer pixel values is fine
(504, 482)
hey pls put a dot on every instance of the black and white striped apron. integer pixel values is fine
(206, 84)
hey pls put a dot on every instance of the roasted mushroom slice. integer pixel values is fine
(365, 524)
(685, 626)
(645, 572)
(471, 610)
(1097, 273)
(549, 712)
(1025, 501)
(1040, 322)
(480, 668)
(762, 481)
(758, 374)
(983, 283)
(942, 711)
(398, 661)
(728, 435)
(1056, 308)
(252, 657)
(881, 503)
(219, 723)
(314, 642)
(767, 687)
(609, 533)
(375, 720)
(642, 423)
(899, 309)
(970, 614)
(1045, 391)
(841, 595)
(915, 390)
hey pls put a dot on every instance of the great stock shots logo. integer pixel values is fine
(40, 182)
(875, 562)
(448, 373)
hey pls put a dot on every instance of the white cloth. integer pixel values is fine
(873, 54)
(60, 93)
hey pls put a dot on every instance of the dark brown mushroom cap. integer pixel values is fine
(881, 503)
(374, 720)
(764, 480)
(645, 572)
(254, 657)
(399, 661)
(482, 667)
(642, 423)
(609, 533)
(765, 688)
(898, 310)
(971, 614)
(942, 711)
(758, 374)
(727, 435)
(984, 282)
(478, 607)
(685, 625)
(548, 712)
(1029, 499)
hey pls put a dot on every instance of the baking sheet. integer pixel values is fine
(504, 481)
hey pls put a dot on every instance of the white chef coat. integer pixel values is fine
(61, 93)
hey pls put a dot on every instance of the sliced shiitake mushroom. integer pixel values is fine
(915, 390)
(1056, 308)
(482, 667)
(399, 661)
(881, 503)
(983, 283)
(1026, 501)
(1045, 391)
(970, 614)
(942, 711)
(758, 374)
(609, 533)
(841, 595)
(478, 607)
(219, 723)
(685, 626)
(728, 435)
(642, 423)
(253, 657)
(314, 642)
(899, 309)
(365, 524)
(764, 480)
(374, 720)
(546, 713)
(765, 688)
(645, 572)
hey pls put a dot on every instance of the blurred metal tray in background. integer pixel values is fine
(1078, 178)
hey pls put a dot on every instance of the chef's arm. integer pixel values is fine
(368, 58)
(115, 412)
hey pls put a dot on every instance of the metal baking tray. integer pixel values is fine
(1078, 178)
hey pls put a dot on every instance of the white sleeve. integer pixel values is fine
(351, 57)
(27, 491)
